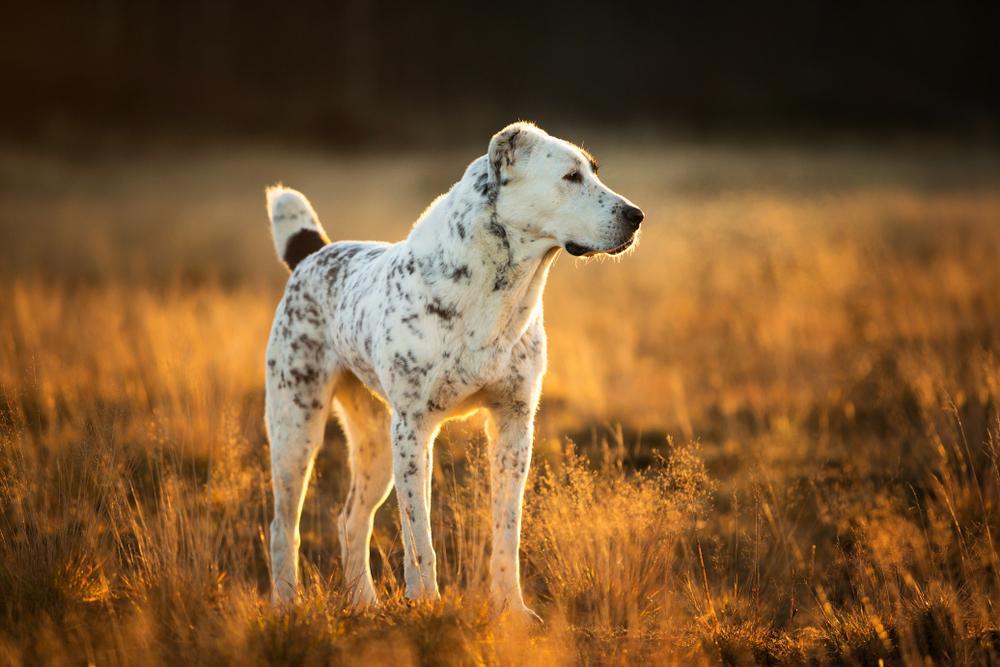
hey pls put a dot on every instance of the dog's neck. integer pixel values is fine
(477, 268)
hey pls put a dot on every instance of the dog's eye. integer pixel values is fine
(573, 176)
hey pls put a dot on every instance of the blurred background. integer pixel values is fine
(358, 73)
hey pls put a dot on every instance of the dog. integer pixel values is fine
(401, 337)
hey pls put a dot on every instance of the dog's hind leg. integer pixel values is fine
(365, 420)
(299, 387)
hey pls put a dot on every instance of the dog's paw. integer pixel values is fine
(528, 615)
(520, 613)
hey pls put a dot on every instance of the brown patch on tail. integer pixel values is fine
(302, 244)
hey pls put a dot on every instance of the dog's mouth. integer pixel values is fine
(578, 250)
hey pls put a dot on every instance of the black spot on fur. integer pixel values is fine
(446, 313)
(482, 184)
(498, 230)
(503, 155)
(302, 244)
(511, 146)
(502, 280)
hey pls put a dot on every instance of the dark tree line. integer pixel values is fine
(351, 70)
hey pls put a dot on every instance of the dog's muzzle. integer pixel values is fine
(631, 217)
(578, 250)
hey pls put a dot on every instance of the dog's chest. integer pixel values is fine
(474, 368)
(444, 373)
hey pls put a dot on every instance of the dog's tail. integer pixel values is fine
(294, 225)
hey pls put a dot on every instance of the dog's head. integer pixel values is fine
(547, 188)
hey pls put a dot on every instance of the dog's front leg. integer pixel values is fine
(511, 433)
(412, 442)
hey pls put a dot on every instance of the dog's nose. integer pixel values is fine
(633, 215)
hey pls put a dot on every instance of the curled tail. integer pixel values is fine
(294, 225)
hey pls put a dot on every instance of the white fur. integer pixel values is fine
(405, 336)
(290, 212)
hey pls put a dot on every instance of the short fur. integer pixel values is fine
(404, 336)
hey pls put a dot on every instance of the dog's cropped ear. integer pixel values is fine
(511, 144)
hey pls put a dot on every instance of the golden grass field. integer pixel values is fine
(770, 435)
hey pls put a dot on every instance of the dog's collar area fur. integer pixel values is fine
(477, 264)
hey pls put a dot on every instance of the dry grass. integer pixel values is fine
(784, 410)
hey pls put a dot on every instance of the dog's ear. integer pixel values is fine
(512, 143)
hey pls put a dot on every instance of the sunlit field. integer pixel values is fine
(769, 435)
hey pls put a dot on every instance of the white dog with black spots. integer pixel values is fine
(401, 337)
